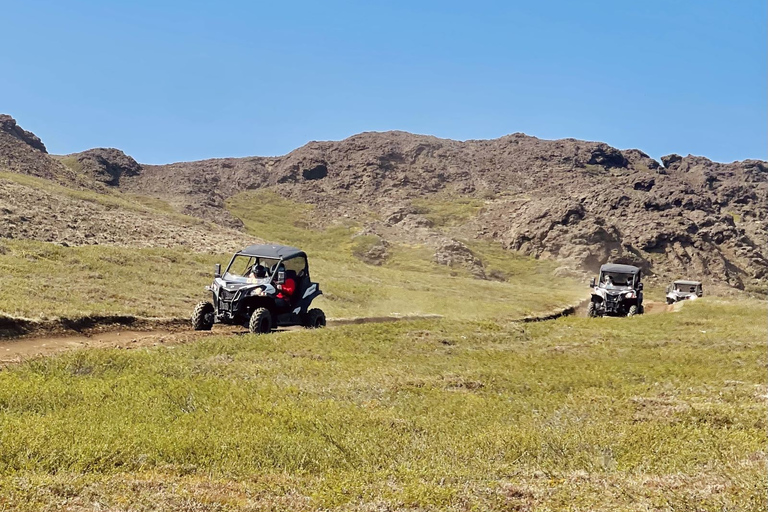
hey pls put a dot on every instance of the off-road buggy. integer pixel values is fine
(684, 290)
(618, 292)
(248, 293)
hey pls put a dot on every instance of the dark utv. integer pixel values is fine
(249, 291)
(618, 292)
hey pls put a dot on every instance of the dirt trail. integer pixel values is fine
(15, 350)
(661, 307)
(651, 308)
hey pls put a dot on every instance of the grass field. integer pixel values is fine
(46, 280)
(663, 412)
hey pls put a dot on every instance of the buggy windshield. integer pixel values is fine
(243, 267)
(616, 280)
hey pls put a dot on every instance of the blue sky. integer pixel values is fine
(169, 80)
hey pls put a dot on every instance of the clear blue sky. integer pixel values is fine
(170, 80)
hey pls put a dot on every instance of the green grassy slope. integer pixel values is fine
(663, 412)
(45, 280)
(408, 282)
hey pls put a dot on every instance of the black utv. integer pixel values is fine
(618, 292)
(263, 287)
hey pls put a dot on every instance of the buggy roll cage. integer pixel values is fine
(276, 266)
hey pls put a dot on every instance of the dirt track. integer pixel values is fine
(15, 350)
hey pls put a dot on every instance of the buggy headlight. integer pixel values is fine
(630, 295)
(259, 290)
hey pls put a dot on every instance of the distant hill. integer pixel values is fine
(582, 203)
(68, 201)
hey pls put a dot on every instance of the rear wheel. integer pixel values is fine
(261, 321)
(315, 319)
(670, 301)
(632, 310)
(591, 312)
(202, 316)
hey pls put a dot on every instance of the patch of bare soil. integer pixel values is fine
(16, 350)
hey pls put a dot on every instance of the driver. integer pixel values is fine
(259, 271)
(607, 281)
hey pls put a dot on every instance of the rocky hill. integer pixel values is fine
(583, 203)
(67, 200)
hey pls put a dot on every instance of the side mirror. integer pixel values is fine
(280, 276)
(217, 270)
(640, 286)
(592, 283)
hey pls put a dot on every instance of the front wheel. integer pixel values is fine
(632, 310)
(261, 321)
(591, 311)
(202, 316)
(315, 319)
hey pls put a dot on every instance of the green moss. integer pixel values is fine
(448, 212)
(72, 163)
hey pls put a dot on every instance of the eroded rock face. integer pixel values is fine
(584, 203)
(9, 126)
(106, 165)
(453, 253)
(23, 152)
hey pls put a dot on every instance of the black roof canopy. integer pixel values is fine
(274, 252)
(688, 283)
(620, 269)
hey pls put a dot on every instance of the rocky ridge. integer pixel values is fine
(583, 203)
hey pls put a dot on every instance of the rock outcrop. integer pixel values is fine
(584, 203)
(105, 165)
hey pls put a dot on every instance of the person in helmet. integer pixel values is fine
(258, 271)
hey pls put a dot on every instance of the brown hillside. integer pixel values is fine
(584, 203)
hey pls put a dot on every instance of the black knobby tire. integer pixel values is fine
(641, 310)
(632, 310)
(670, 301)
(315, 319)
(591, 312)
(202, 316)
(261, 321)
